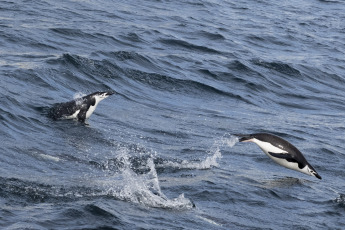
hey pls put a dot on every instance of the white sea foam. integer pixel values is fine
(208, 220)
(47, 157)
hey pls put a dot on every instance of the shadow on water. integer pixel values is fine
(286, 182)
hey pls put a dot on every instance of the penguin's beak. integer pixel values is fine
(244, 138)
(317, 176)
(110, 93)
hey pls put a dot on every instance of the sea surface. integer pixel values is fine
(161, 154)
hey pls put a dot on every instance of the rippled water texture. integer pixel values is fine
(160, 153)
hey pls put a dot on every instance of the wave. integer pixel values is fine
(249, 82)
(133, 71)
(280, 67)
(138, 74)
(169, 84)
(188, 46)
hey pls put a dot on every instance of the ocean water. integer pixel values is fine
(160, 154)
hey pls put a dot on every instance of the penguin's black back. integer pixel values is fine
(61, 110)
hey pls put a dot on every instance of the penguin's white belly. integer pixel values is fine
(269, 148)
(90, 111)
(285, 163)
(289, 165)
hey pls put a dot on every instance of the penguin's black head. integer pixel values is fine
(312, 172)
(103, 94)
(244, 137)
(99, 96)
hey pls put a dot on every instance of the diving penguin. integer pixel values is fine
(80, 108)
(281, 152)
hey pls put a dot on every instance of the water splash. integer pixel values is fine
(124, 182)
(214, 154)
(340, 200)
(225, 140)
(207, 163)
(78, 97)
(142, 188)
(123, 179)
(228, 140)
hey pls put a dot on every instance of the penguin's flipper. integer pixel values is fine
(288, 158)
(82, 114)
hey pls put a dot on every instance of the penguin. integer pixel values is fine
(281, 152)
(80, 108)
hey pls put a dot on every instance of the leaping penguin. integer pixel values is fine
(80, 108)
(281, 152)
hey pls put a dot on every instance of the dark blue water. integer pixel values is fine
(160, 154)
